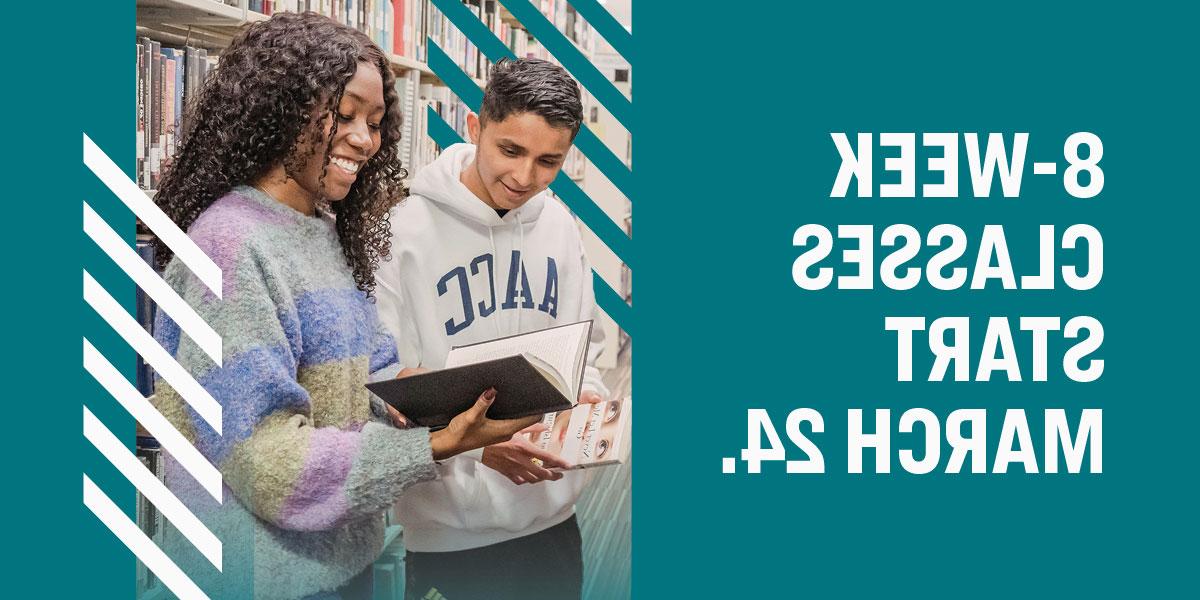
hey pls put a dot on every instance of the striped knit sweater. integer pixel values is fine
(309, 464)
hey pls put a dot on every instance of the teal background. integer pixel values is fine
(70, 71)
(733, 153)
(734, 110)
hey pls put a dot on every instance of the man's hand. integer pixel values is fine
(515, 459)
(590, 397)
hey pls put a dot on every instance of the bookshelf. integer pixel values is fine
(191, 12)
(213, 24)
(206, 23)
(611, 269)
(210, 25)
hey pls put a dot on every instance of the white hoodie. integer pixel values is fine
(451, 281)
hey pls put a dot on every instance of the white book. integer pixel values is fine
(589, 435)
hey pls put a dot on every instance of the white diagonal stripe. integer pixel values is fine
(151, 488)
(143, 547)
(133, 334)
(124, 188)
(156, 425)
(154, 286)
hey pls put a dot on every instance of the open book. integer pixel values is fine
(533, 373)
(589, 435)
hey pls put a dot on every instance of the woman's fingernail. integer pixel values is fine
(490, 394)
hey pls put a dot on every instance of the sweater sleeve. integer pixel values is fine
(384, 365)
(273, 459)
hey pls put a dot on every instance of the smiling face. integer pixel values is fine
(358, 117)
(515, 158)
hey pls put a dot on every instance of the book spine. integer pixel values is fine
(149, 519)
(180, 69)
(146, 97)
(168, 104)
(398, 27)
(145, 311)
(157, 136)
(203, 71)
(411, 10)
(190, 87)
(141, 118)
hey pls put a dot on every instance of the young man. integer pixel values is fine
(479, 252)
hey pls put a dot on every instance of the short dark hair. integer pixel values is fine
(532, 85)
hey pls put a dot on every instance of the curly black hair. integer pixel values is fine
(275, 85)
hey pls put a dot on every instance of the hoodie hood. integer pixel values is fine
(441, 182)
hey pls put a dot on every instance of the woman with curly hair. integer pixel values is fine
(285, 173)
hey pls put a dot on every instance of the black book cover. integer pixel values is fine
(432, 399)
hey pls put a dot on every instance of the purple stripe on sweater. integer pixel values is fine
(319, 500)
(221, 231)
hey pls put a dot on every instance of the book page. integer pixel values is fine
(558, 347)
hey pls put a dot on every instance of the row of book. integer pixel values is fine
(403, 27)
(567, 20)
(376, 18)
(167, 78)
(417, 148)
(473, 62)
(387, 582)
(148, 518)
(574, 165)
(388, 570)
(145, 311)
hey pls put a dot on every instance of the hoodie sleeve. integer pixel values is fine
(284, 469)
(394, 315)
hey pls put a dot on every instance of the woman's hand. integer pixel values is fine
(472, 429)
(397, 418)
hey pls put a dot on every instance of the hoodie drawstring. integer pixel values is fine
(520, 265)
(520, 268)
(495, 309)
